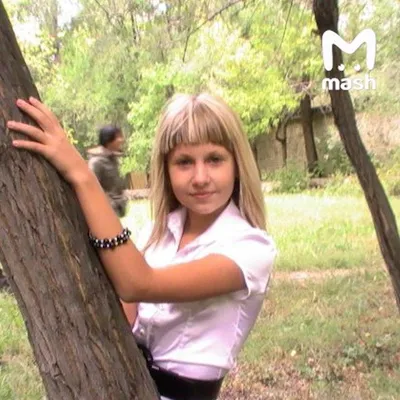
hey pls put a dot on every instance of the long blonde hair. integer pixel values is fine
(199, 119)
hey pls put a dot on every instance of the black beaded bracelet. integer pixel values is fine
(112, 242)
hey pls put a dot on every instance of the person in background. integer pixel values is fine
(104, 162)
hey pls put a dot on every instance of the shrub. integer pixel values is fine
(334, 159)
(389, 172)
(291, 179)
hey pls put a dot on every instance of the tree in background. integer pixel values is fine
(326, 15)
(119, 60)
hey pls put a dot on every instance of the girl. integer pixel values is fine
(193, 293)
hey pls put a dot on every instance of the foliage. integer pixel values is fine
(383, 18)
(334, 159)
(290, 179)
(389, 172)
(118, 61)
(96, 84)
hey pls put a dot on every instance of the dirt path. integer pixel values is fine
(316, 276)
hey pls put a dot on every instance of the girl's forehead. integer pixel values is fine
(197, 149)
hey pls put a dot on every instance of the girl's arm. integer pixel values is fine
(133, 279)
(130, 310)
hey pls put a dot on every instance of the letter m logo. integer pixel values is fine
(329, 38)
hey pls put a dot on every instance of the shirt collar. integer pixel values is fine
(176, 221)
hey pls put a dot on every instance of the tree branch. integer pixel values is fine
(105, 12)
(286, 24)
(209, 19)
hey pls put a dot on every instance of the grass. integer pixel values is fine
(316, 232)
(335, 338)
(19, 377)
(313, 232)
(334, 311)
(137, 216)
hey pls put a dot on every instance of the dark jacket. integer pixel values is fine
(104, 163)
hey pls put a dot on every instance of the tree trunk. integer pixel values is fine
(283, 140)
(326, 15)
(80, 337)
(254, 149)
(308, 133)
(3, 280)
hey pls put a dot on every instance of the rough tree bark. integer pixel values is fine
(326, 15)
(81, 340)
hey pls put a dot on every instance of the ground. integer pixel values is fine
(328, 329)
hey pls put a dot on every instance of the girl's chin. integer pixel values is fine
(205, 208)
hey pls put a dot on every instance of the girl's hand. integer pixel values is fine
(50, 140)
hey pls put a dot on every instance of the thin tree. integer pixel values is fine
(80, 338)
(308, 134)
(306, 116)
(326, 15)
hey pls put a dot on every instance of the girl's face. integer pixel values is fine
(202, 177)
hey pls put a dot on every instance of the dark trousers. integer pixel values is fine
(176, 387)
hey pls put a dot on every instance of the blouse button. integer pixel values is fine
(141, 332)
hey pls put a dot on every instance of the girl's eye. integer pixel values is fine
(183, 161)
(215, 159)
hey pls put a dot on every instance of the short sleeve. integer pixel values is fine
(254, 252)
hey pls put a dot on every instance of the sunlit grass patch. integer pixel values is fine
(138, 214)
(320, 232)
(19, 376)
(312, 232)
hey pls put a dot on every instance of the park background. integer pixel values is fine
(328, 329)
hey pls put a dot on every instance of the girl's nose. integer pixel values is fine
(201, 175)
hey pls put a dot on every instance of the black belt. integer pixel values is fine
(177, 387)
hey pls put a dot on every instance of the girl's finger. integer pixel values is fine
(29, 130)
(41, 119)
(43, 108)
(32, 146)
